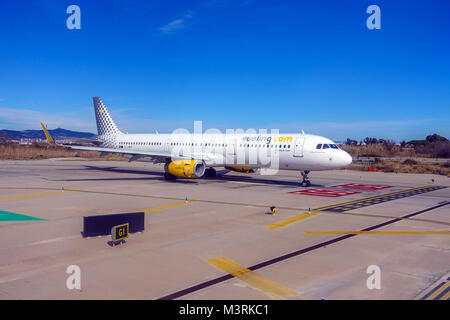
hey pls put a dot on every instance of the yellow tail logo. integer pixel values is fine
(47, 135)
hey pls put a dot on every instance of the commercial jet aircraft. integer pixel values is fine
(196, 155)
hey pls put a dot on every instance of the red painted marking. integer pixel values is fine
(355, 186)
(325, 192)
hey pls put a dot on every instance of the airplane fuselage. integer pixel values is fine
(283, 151)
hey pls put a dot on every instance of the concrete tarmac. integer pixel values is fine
(222, 243)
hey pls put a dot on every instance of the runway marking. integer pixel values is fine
(320, 192)
(206, 284)
(387, 232)
(368, 201)
(36, 195)
(355, 204)
(446, 296)
(167, 206)
(253, 279)
(11, 216)
(256, 205)
(286, 222)
(441, 291)
(355, 186)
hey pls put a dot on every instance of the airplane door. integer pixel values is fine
(231, 148)
(298, 146)
(166, 145)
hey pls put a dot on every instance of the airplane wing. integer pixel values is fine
(135, 154)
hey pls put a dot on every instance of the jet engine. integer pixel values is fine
(242, 169)
(185, 169)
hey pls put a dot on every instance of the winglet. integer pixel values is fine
(47, 135)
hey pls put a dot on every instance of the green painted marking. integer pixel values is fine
(11, 216)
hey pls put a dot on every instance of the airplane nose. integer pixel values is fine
(346, 158)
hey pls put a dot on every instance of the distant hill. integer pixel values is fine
(57, 134)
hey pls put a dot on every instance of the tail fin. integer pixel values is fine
(105, 124)
(47, 135)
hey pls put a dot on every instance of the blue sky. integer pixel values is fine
(290, 65)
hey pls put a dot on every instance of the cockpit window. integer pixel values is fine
(325, 146)
(319, 146)
(334, 146)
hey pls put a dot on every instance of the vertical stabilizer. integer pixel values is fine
(105, 124)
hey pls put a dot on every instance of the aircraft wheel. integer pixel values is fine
(305, 183)
(169, 177)
(210, 173)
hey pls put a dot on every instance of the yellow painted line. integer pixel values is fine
(288, 221)
(36, 195)
(168, 206)
(438, 292)
(376, 232)
(253, 279)
(446, 296)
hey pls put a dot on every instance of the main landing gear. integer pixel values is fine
(169, 177)
(305, 182)
(210, 173)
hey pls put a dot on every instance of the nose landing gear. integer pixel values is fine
(305, 182)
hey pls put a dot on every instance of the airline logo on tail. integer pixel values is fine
(47, 135)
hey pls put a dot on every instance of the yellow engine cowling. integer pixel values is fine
(242, 169)
(186, 168)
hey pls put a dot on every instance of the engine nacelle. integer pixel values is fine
(242, 169)
(186, 168)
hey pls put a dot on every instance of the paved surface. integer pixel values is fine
(222, 243)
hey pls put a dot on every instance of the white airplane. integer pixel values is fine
(196, 155)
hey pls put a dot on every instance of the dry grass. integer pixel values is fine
(432, 150)
(395, 151)
(44, 151)
(407, 166)
(380, 150)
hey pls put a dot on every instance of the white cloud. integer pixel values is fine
(21, 119)
(176, 24)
